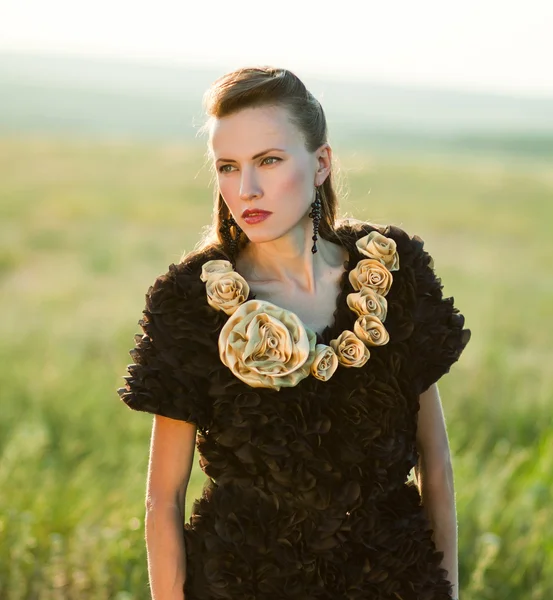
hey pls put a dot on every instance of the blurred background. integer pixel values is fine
(441, 122)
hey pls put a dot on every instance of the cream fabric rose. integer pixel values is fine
(350, 350)
(382, 248)
(368, 302)
(266, 346)
(371, 273)
(215, 266)
(371, 331)
(226, 291)
(325, 362)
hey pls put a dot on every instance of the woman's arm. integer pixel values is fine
(434, 475)
(171, 454)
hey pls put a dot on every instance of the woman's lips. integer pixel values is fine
(253, 218)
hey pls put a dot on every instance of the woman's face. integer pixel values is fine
(262, 163)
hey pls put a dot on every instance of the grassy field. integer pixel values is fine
(85, 227)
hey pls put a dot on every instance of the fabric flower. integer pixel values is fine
(382, 248)
(371, 331)
(211, 267)
(368, 302)
(350, 350)
(325, 362)
(226, 291)
(370, 272)
(267, 346)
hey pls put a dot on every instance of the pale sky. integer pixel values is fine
(494, 45)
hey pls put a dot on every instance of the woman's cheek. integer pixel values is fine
(227, 191)
(293, 183)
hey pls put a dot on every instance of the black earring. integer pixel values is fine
(231, 242)
(316, 215)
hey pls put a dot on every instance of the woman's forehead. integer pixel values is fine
(253, 130)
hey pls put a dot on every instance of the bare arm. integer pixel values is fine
(171, 455)
(434, 475)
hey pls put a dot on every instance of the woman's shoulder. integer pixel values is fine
(182, 279)
(170, 370)
(409, 245)
(176, 300)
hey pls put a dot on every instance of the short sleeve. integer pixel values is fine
(439, 336)
(164, 378)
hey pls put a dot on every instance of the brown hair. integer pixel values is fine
(268, 86)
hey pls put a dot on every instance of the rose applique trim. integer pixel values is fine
(382, 248)
(265, 345)
(325, 362)
(212, 267)
(371, 330)
(371, 273)
(350, 350)
(368, 302)
(226, 291)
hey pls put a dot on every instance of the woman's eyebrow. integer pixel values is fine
(253, 157)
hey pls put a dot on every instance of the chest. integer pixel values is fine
(315, 310)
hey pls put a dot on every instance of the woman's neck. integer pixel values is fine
(289, 260)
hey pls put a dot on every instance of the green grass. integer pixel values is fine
(85, 227)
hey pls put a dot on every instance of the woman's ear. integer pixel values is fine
(324, 163)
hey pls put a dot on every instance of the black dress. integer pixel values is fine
(307, 495)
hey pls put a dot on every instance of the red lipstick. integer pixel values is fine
(255, 215)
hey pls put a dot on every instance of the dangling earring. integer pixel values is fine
(316, 215)
(231, 242)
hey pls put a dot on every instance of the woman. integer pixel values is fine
(300, 354)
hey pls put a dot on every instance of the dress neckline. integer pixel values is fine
(327, 333)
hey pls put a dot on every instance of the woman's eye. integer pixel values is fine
(223, 168)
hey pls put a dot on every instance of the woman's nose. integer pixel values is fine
(249, 187)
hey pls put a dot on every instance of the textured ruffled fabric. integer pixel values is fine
(165, 377)
(307, 493)
(439, 336)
